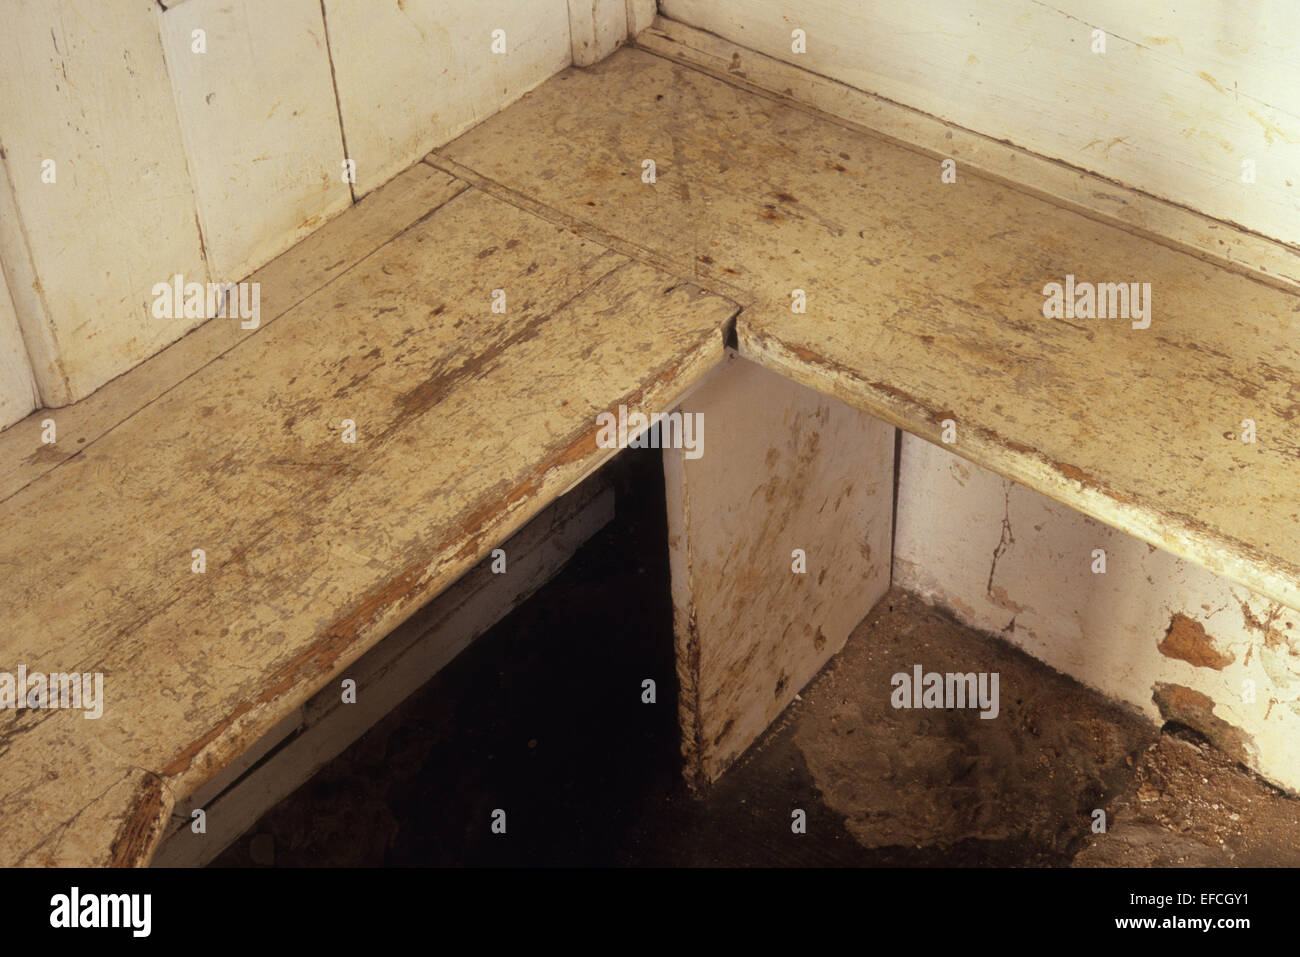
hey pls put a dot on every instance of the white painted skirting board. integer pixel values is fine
(1125, 618)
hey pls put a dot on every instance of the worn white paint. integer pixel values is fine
(85, 84)
(260, 125)
(17, 387)
(1172, 107)
(1012, 561)
(782, 468)
(385, 346)
(597, 28)
(259, 163)
(413, 75)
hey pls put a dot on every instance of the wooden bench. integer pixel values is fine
(468, 421)
(924, 302)
(924, 310)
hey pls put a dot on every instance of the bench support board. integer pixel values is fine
(783, 468)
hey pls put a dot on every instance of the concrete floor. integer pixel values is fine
(543, 719)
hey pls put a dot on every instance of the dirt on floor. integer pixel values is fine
(1190, 805)
(542, 718)
(1030, 786)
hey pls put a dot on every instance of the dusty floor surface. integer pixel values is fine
(542, 718)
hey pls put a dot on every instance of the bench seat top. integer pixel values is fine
(925, 301)
(467, 423)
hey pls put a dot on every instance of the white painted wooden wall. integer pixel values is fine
(415, 74)
(1182, 96)
(209, 164)
(85, 85)
(259, 124)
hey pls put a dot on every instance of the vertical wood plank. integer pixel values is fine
(85, 85)
(640, 14)
(260, 125)
(783, 468)
(413, 75)
(597, 28)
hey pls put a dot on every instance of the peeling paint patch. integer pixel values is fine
(1187, 640)
(998, 595)
(1196, 710)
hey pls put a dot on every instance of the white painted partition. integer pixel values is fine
(1182, 96)
(1165, 636)
(640, 14)
(778, 539)
(596, 29)
(140, 140)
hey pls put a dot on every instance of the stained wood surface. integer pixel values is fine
(385, 676)
(924, 302)
(468, 423)
(285, 282)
